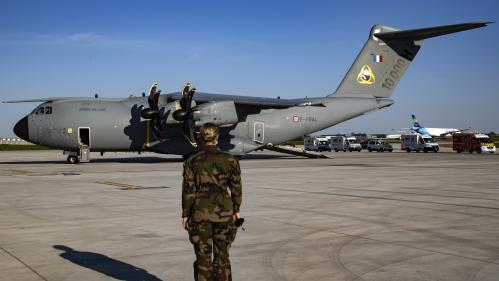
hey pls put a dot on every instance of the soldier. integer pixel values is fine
(209, 211)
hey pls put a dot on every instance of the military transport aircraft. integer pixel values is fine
(168, 123)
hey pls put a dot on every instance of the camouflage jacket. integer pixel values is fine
(208, 176)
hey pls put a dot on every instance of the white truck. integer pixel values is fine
(345, 143)
(310, 143)
(319, 144)
(417, 142)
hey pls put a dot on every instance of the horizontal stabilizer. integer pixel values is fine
(424, 33)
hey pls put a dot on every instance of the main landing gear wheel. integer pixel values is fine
(72, 159)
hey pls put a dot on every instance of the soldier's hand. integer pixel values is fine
(236, 216)
(185, 222)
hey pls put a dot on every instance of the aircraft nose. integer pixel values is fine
(21, 129)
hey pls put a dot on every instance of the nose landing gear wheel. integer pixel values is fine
(72, 159)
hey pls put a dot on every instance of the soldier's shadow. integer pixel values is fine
(101, 263)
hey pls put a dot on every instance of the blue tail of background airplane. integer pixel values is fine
(416, 127)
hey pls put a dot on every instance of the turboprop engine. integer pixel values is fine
(217, 112)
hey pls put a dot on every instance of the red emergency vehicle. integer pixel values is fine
(472, 142)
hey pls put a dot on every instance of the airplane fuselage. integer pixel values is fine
(107, 125)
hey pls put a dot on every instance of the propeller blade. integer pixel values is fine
(185, 110)
(184, 114)
(185, 91)
(188, 129)
(188, 101)
(153, 96)
(153, 88)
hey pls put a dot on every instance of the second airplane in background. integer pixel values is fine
(434, 132)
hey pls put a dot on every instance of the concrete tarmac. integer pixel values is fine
(356, 216)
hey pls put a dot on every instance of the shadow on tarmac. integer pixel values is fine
(148, 160)
(103, 264)
(139, 160)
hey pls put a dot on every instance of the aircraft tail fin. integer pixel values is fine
(386, 56)
(415, 122)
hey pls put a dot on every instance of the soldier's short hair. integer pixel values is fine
(208, 132)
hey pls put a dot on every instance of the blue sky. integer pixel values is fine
(263, 48)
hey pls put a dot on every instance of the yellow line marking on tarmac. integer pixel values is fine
(118, 184)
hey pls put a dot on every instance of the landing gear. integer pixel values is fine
(79, 156)
(72, 159)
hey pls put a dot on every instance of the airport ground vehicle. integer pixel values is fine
(345, 143)
(379, 145)
(472, 142)
(417, 142)
(324, 144)
(312, 143)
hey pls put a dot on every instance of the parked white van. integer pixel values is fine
(343, 143)
(417, 142)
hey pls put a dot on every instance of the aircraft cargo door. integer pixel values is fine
(84, 136)
(258, 132)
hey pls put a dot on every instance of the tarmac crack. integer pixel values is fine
(23, 263)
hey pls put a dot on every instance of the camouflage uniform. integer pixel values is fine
(208, 177)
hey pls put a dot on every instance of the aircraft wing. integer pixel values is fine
(200, 98)
(56, 99)
(243, 100)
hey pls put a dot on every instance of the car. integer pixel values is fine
(324, 145)
(379, 145)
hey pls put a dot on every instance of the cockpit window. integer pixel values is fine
(40, 111)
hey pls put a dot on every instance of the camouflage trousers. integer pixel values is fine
(212, 238)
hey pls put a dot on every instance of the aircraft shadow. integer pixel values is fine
(136, 160)
(141, 160)
(108, 266)
(270, 156)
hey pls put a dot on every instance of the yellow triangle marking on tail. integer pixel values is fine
(366, 75)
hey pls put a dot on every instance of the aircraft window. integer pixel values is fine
(39, 111)
(48, 110)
